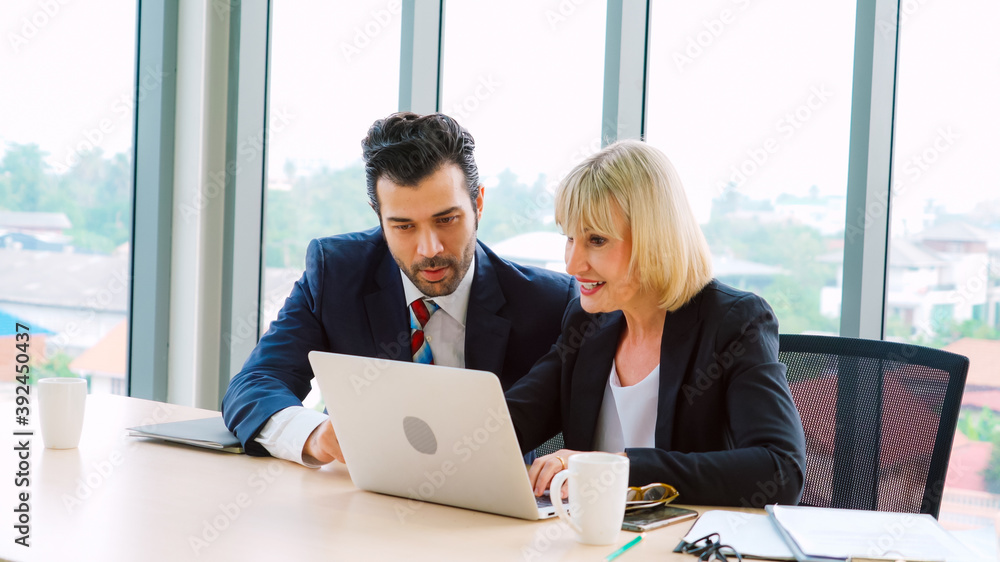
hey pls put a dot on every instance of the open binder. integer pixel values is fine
(813, 534)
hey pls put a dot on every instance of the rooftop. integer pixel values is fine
(107, 357)
(984, 357)
(9, 322)
(905, 253)
(16, 219)
(954, 232)
(86, 281)
(968, 460)
(725, 266)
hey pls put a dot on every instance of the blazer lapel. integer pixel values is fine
(486, 332)
(387, 314)
(677, 351)
(590, 376)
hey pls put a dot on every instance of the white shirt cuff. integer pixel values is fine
(286, 433)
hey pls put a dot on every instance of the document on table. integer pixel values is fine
(209, 433)
(815, 533)
(752, 535)
(823, 534)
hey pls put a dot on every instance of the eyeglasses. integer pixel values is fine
(709, 547)
(650, 494)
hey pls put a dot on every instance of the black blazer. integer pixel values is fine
(350, 300)
(727, 431)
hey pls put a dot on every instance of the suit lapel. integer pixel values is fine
(590, 376)
(387, 314)
(677, 351)
(486, 332)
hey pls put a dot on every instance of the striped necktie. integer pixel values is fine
(420, 313)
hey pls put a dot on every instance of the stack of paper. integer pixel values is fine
(812, 534)
(821, 533)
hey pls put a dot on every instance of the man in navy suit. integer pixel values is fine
(370, 293)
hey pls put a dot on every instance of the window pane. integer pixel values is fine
(65, 187)
(944, 256)
(334, 71)
(752, 104)
(528, 85)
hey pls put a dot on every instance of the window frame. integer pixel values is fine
(623, 116)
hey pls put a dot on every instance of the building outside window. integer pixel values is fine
(65, 187)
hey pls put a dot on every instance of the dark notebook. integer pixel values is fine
(210, 433)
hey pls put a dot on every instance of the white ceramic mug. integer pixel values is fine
(598, 483)
(61, 402)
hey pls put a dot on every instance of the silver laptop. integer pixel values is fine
(426, 432)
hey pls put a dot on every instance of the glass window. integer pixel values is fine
(944, 255)
(65, 187)
(334, 71)
(528, 85)
(751, 102)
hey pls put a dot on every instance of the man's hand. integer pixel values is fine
(322, 444)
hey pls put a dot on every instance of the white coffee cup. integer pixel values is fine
(598, 483)
(61, 401)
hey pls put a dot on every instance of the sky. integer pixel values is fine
(757, 93)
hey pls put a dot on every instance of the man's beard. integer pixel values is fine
(446, 286)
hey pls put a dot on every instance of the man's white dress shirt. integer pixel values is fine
(286, 433)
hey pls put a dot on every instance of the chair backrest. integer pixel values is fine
(550, 446)
(879, 419)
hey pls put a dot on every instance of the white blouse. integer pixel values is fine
(628, 413)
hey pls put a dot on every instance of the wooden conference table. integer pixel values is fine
(123, 498)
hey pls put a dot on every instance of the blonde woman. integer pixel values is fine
(657, 360)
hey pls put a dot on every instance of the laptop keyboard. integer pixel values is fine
(545, 501)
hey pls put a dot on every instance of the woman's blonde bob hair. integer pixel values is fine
(633, 180)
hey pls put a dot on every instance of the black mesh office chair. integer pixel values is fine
(879, 419)
(550, 446)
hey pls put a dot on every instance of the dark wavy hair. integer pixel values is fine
(406, 148)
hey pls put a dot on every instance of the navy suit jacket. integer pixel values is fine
(350, 300)
(727, 431)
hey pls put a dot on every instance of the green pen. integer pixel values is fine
(623, 549)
